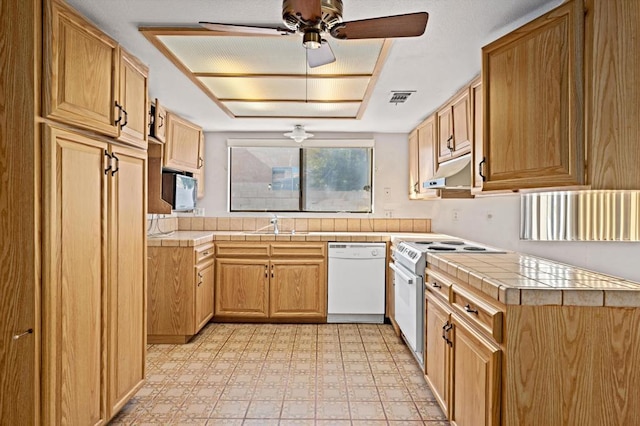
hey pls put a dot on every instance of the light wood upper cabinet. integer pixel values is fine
(426, 154)
(74, 359)
(199, 175)
(477, 156)
(127, 275)
(296, 288)
(476, 367)
(414, 172)
(453, 134)
(182, 148)
(90, 82)
(242, 288)
(80, 73)
(533, 109)
(613, 94)
(134, 115)
(159, 122)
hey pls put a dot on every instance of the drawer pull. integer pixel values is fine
(436, 285)
(470, 310)
(206, 253)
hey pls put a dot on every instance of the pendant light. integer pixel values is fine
(298, 134)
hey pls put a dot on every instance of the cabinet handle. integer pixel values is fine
(271, 271)
(415, 188)
(152, 119)
(109, 158)
(161, 117)
(481, 169)
(206, 253)
(436, 285)
(447, 329)
(200, 276)
(126, 118)
(24, 333)
(470, 310)
(119, 113)
(200, 162)
(266, 271)
(444, 331)
(449, 143)
(114, 171)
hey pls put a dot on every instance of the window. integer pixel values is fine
(317, 179)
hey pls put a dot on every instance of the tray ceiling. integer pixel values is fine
(251, 76)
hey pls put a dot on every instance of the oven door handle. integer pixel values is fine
(404, 276)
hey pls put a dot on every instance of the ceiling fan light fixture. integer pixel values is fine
(312, 39)
(298, 134)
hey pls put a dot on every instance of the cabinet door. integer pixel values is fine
(426, 155)
(204, 294)
(160, 122)
(127, 274)
(414, 173)
(183, 143)
(445, 134)
(80, 72)
(460, 112)
(74, 279)
(476, 367)
(533, 109)
(242, 288)
(134, 117)
(298, 289)
(436, 359)
(476, 134)
(199, 175)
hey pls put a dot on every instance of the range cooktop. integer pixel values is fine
(450, 246)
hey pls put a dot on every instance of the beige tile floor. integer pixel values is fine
(284, 374)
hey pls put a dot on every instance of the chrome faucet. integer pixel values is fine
(274, 222)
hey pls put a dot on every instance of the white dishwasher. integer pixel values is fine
(357, 274)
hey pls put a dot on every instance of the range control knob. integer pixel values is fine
(374, 252)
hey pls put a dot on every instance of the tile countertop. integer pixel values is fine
(520, 279)
(194, 238)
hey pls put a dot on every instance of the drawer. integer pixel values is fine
(238, 249)
(203, 252)
(297, 250)
(477, 311)
(438, 285)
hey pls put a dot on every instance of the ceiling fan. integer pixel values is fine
(314, 18)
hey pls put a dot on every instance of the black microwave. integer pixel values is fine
(181, 191)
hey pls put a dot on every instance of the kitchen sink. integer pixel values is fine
(279, 233)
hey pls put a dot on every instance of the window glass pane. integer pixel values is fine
(337, 179)
(265, 179)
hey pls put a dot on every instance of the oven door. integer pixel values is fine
(409, 306)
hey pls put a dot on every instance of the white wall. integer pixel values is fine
(390, 171)
(489, 220)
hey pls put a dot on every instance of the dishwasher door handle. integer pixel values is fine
(404, 276)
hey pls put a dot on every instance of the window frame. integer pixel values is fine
(286, 143)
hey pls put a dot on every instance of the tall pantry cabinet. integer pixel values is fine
(73, 246)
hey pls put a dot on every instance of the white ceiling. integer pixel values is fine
(435, 65)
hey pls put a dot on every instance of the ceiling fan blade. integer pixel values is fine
(247, 29)
(308, 10)
(321, 56)
(409, 25)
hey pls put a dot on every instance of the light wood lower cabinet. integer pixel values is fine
(475, 377)
(529, 365)
(93, 293)
(181, 295)
(271, 281)
(242, 288)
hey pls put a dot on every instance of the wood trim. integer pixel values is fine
(377, 69)
(298, 101)
(151, 36)
(295, 76)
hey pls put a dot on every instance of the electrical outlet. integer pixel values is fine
(388, 213)
(455, 215)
